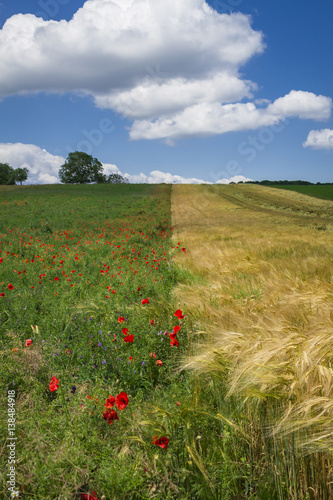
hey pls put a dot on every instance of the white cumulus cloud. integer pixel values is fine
(109, 168)
(152, 98)
(319, 139)
(42, 166)
(171, 66)
(107, 49)
(141, 58)
(157, 177)
(215, 118)
(303, 105)
(235, 179)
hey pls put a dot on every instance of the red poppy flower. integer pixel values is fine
(110, 416)
(54, 384)
(10, 286)
(179, 314)
(129, 338)
(159, 362)
(89, 496)
(109, 402)
(174, 342)
(172, 335)
(2, 294)
(176, 329)
(121, 319)
(184, 250)
(145, 301)
(56, 279)
(125, 331)
(161, 442)
(28, 342)
(122, 400)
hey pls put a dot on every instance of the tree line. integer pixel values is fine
(79, 168)
(10, 176)
(289, 183)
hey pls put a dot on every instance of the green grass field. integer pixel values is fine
(86, 278)
(324, 192)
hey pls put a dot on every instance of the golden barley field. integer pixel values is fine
(263, 307)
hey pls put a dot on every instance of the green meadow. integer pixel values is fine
(319, 191)
(86, 278)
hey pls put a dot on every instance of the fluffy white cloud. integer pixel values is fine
(109, 168)
(107, 49)
(172, 66)
(236, 179)
(157, 177)
(214, 118)
(202, 119)
(319, 139)
(152, 98)
(303, 105)
(42, 166)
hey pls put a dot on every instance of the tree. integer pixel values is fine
(6, 174)
(81, 168)
(117, 179)
(20, 174)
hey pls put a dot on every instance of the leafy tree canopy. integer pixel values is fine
(21, 174)
(9, 176)
(6, 174)
(81, 168)
(116, 179)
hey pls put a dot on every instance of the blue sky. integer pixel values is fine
(168, 90)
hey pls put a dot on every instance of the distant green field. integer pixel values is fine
(324, 192)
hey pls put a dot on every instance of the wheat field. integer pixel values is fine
(264, 321)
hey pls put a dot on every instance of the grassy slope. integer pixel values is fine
(265, 308)
(324, 192)
(56, 243)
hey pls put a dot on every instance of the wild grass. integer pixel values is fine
(64, 251)
(319, 191)
(265, 314)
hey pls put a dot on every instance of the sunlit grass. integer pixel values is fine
(320, 191)
(75, 261)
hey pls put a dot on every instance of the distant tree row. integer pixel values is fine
(10, 176)
(288, 183)
(81, 168)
